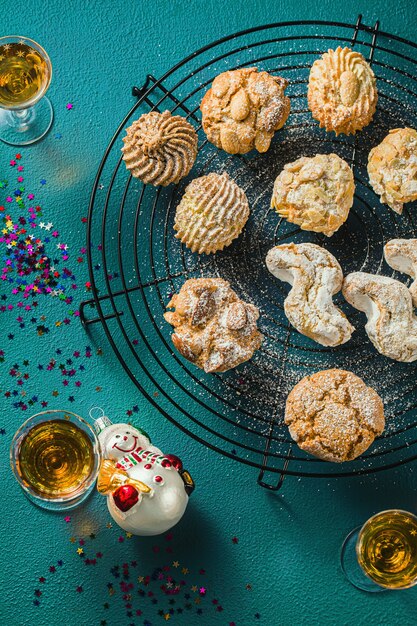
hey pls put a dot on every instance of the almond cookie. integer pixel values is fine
(160, 148)
(315, 276)
(315, 192)
(392, 168)
(243, 109)
(401, 255)
(211, 214)
(334, 415)
(388, 305)
(214, 328)
(342, 93)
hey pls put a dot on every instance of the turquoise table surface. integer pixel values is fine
(241, 555)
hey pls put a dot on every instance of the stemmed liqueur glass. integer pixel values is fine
(382, 554)
(26, 114)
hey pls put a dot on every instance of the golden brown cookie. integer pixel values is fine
(214, 328)
(392, 168)
(211, 214)
(315, 192)
(334, 415)
(342, 93)
(160, 148)
(243, 109)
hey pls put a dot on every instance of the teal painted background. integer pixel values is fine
(287, 548)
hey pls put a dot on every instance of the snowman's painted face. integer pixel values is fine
(124, 441)
(120, 439)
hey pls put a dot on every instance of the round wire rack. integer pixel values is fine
(136, 263)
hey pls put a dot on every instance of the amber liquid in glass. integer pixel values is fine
(55, 459)
(23, 74)
(387, 549)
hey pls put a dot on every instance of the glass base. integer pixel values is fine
(60, 505)
(351, 568)
(21, 128)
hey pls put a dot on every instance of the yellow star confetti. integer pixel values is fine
(175, 564)
(194, 588)
(167, 616)
(185, 570)
(72, 539)
(141, 579)
(129, 535)
(80, 551)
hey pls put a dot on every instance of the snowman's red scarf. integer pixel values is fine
(139, 456)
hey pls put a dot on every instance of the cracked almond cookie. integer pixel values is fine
(316, 193)
(334, 415)
(392, 168)
(342, 92)
(243, 109)
(214, 328)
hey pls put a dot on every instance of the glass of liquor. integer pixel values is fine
(382, 554)
(55, 457)
(26, 114)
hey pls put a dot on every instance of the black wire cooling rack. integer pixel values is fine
(136, 264)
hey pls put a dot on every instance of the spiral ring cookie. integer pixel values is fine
(334, 415)
(315, 192)
(243, 109)
(160, 148)
(342, 92)
(211, 214)
(392, 168)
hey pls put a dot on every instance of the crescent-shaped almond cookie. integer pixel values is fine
(401, 255)
(342, 93)
(315, 276)
(392, 168)
(387, 303)
(160, 148)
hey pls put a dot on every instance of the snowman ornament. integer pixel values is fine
(147, 491)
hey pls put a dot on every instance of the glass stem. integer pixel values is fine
(22, 117)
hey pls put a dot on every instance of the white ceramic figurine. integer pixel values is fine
(147, 491)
